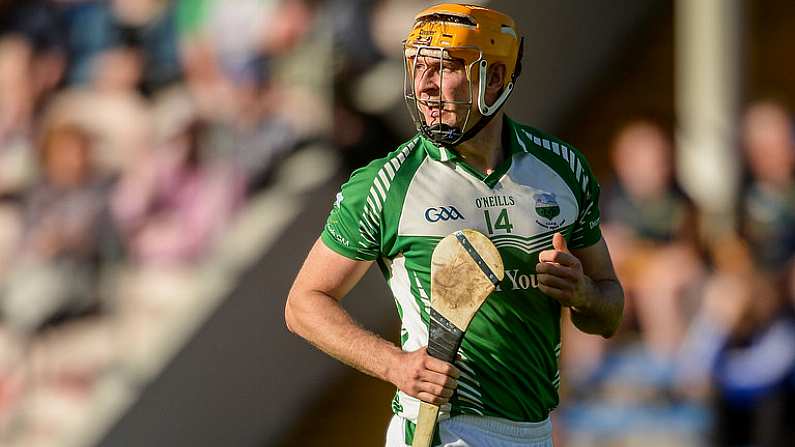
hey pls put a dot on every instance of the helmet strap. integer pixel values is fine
(488, 112)
(447, 132)
(476, 128)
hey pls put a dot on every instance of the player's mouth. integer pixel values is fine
(433, 114)
(430, 109)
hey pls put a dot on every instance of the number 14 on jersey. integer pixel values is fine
(502, 222)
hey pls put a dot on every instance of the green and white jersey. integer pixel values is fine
(397, 208)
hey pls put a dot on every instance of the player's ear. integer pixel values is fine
(496, 78)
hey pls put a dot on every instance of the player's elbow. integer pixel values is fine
(289, 314)
(288, 317)
(609, 330)
(616, 316)
(609, 325)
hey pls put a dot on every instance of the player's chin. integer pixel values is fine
(448, 119)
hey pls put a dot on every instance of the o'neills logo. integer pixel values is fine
(547, 209)
(490, 201)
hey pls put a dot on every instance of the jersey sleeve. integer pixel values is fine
(586, 229)
(353, 228)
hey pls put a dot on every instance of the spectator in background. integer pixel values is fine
(92, 27)
(236, 79)
(66, 234)
(261, 135)
(173, 204)
(123, 148)
(150, 26)
(214, 56)
(111, 108)
(740, 351)
(37, 21)
(649, 224)
(368, 118)
(743, 339)
(653, 225)
(768, 203)
(27, 76)
(16, 110)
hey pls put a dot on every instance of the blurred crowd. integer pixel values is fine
(132, 132)
(706, 354)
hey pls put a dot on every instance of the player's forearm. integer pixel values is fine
(320, 320)
(602, 315)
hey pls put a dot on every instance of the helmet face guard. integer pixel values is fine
(455, 41)
(422, 61)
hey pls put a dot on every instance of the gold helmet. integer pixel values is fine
(478, 37)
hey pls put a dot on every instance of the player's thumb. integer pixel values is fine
(559, 243)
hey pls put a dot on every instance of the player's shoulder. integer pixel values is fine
(542, 141)
(564, 158)
(376, 177)
(390, 164)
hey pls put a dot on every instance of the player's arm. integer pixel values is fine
(603, 304)
(584, 280)
(313, 312)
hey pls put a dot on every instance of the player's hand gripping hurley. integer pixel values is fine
(465, 269)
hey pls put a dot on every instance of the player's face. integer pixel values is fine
(444, 80)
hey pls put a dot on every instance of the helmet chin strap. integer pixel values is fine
(452, 136)
(446, 131)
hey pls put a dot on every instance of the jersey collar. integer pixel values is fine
(438, 153)
(509, 140)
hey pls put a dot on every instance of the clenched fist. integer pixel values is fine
(560, 274)
(424, 377)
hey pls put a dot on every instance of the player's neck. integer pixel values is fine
(484, 151)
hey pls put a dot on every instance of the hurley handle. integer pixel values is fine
(426, 425)
(465, 269)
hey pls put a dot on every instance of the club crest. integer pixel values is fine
(547, 209)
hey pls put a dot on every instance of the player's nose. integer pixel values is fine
(428, 82)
